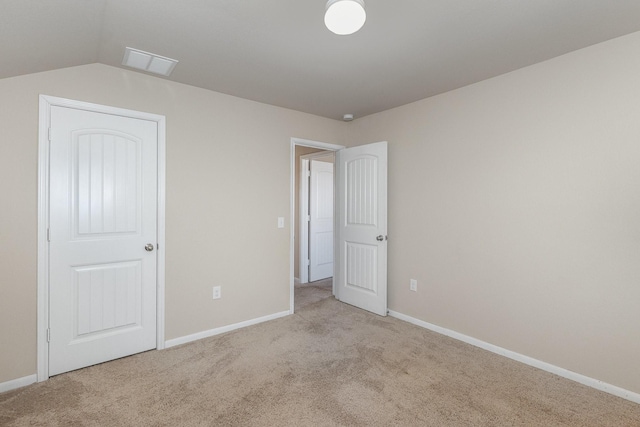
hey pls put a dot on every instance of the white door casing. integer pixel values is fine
(303, 220)
(101, 286)
(321, 221)
(361, 245)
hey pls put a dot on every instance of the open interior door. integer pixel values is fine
(361, 253)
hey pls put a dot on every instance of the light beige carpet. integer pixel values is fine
(329, 364)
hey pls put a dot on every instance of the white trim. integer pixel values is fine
(18, 382)
(42, 320)
(292, 202)
(221, 330)
(565, 373)
(316, 144)
(46, 102)
(303, 224)
(161, 235)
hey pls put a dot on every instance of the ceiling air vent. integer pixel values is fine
(150, 62)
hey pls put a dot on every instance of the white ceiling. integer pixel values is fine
(280, 53)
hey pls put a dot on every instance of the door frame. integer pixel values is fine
(46, 102)
(305, 164)
(292, 203)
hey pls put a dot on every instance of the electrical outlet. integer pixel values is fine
(280, 222)
(217, 292)
(413, 285)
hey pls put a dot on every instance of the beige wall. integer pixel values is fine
(228, 178)
(515, 203)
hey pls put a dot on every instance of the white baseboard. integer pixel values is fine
(579, 378)
(296, 281)
(17, 383)
(221, 330)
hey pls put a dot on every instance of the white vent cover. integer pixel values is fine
(150, 62)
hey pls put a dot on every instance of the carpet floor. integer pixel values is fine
(330, 364)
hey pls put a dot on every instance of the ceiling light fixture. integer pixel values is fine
(146, 61)
(344, 17)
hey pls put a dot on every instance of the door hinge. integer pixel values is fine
(48, 335)
(308, 174)
(308, 263)
(308, 218)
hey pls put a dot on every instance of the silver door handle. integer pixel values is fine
(148, 247)
(380, 238)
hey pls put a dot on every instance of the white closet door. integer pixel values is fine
(103, 228)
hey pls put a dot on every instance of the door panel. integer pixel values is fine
(321, 221)
(362, 266)
(107, 298)
(103, 211)
(361, 276)
(107, 182)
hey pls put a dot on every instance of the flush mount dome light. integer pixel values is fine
(345, 17)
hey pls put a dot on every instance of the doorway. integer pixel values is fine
(360, 224)
(301, 147)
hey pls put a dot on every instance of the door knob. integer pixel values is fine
(380, 238)
(148, 247)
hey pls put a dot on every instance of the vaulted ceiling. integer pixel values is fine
(279, 52)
